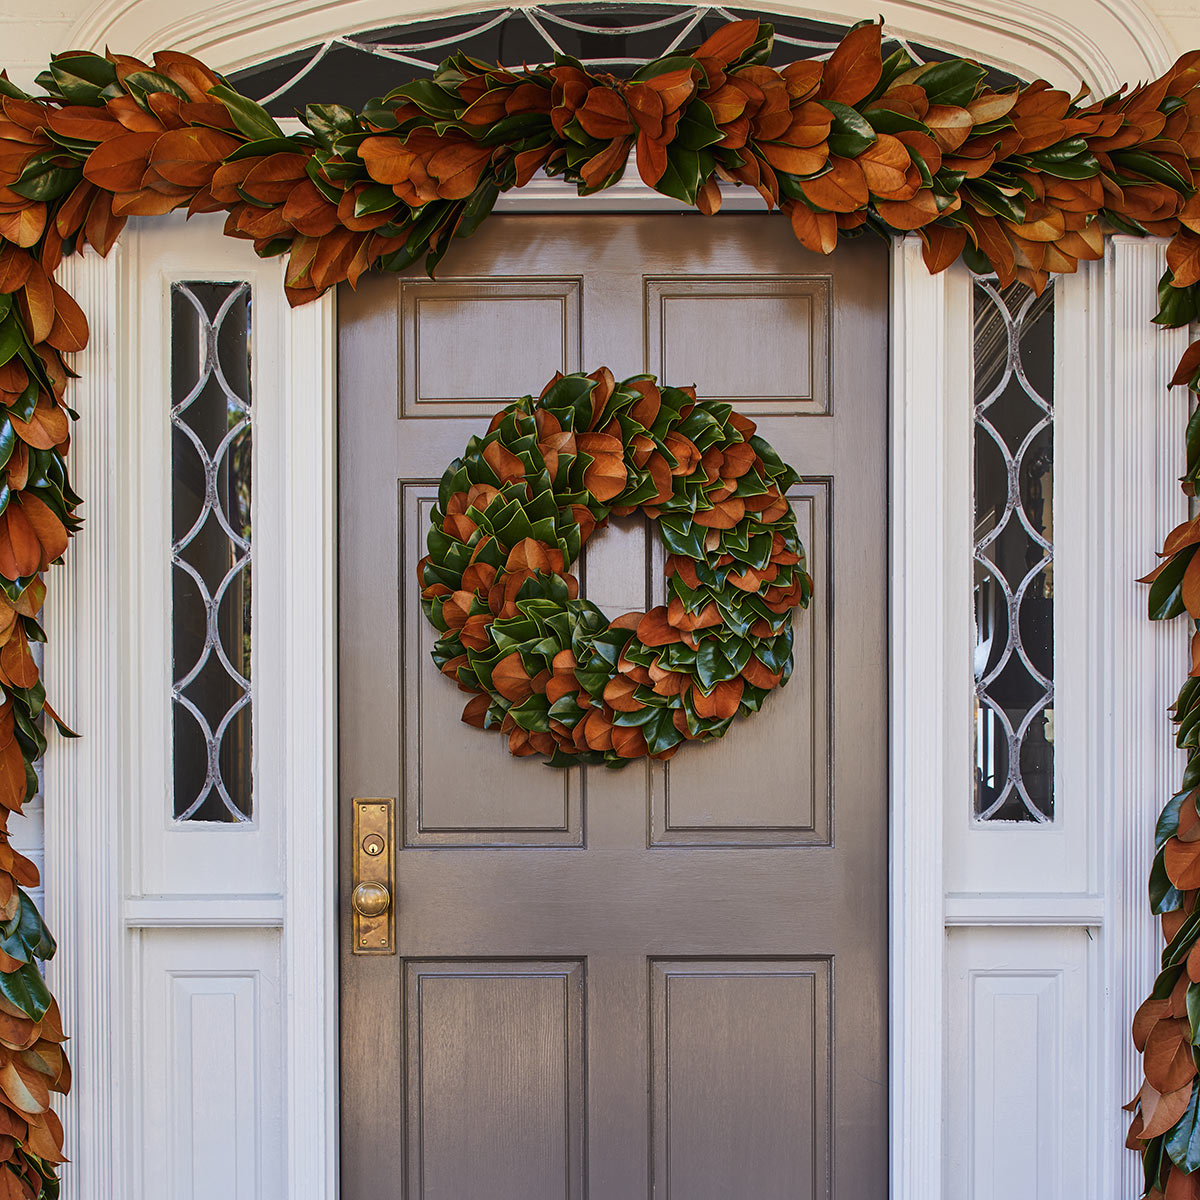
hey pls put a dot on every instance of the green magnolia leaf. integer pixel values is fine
(1176, 306)
(328, 122)
(12, 338)
(1183, 1141)
(46, 177)
(1164, 896)
(851, 133)
(265, 146)
(955, 81)
(27, 991)
(1166, 592)
(250, 118)
(81, 78)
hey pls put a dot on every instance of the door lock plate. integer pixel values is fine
(372, 905)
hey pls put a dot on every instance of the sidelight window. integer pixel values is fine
(211, 551)
(1014, 553)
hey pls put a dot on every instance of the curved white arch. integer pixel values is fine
(1103, 43)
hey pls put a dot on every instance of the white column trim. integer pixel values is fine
(310, 837)
(84, 851)
(931, 415)
(1146, 661)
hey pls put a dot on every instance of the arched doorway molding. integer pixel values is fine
(1102, 42)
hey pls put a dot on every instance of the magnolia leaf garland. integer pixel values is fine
(1023, 182)
(550, 669)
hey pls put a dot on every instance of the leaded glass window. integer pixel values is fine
(352, 68)
(1014, 553)
(211, 550)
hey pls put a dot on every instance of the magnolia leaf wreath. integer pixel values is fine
(1024, 182)
(549, 668)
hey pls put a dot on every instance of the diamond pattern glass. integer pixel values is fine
(611, 37)
(211, 550)
(1014, 553)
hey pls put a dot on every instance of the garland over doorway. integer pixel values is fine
(1023, 183)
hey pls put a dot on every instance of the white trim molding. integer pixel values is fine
(1145, 661)
(930, 720)
(84, 852)
(310, 937)
(1102, 42)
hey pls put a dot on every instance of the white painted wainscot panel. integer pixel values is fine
(1018, 1063)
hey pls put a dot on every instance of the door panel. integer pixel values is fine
(512, 1102)
(664, 981)
(724, 1035)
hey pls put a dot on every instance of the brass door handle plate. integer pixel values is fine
(372, 913)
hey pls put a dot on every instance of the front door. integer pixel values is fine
(667, 981)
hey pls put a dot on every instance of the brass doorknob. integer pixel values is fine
(371, 899)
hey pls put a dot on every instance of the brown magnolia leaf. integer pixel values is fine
(49, 530)
(605, 476)
(1189, 364)
(756, 674)
(36, 299)
(1161, 1112)
(619, 695)
(724, 515)
(507, 466)
(885, 164)
(24, 226)
(1190, 590)
(15, 266)
(511, 680)
(188, 157)
(476, 710)
(69, 332)
(16, 662)
(655, 630)
(628, 741)
(119, 164)
(1183, 258)
(728, 43)
(1182, 862)
(1168, 1059)
(24, 1090)
(942, 245)
(531, 555)
(20, 550)
(189, 73)
(921, 210)
(45, 1137)
(722, 702)
(597, 730)
(854, 68)
(814, 231)
(1181, 1186)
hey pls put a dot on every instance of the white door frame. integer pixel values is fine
(1134, 439)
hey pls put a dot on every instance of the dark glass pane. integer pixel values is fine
(1014, 559)
(612, 37)
(210, 550)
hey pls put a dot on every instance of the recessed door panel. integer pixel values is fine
(767, 781)
(444, 802)
(742, 1052)
(495, 1079)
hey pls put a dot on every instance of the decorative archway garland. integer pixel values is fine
(550, 669)
(1024, 183)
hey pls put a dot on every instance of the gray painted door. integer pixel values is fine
(671, 980)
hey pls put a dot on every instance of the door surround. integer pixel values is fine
(929, 326)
